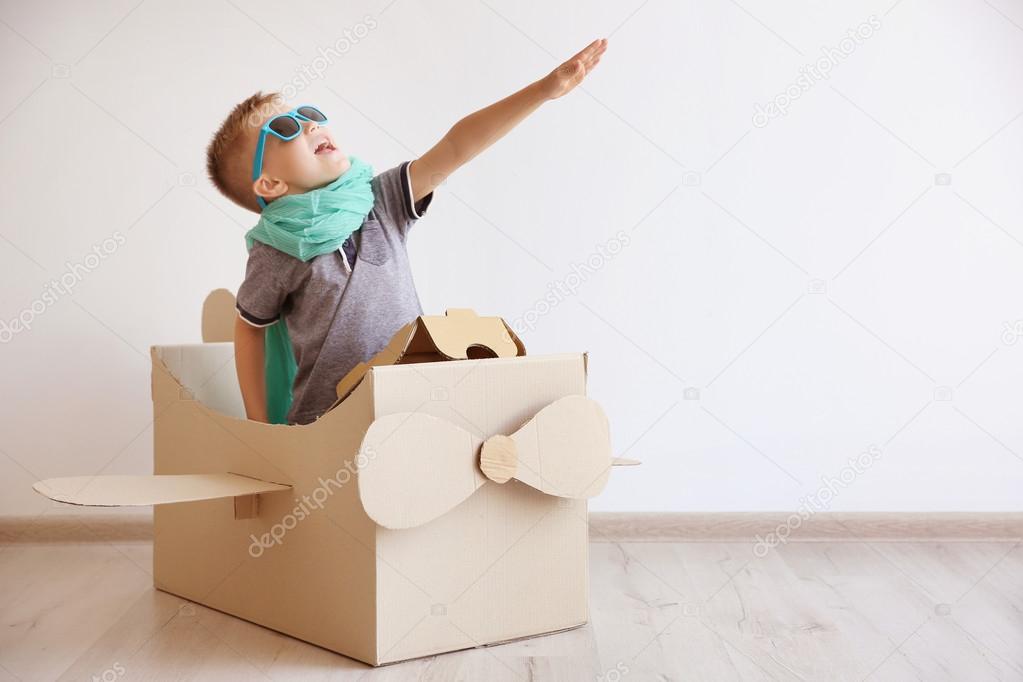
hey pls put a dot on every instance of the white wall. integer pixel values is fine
(809, 281)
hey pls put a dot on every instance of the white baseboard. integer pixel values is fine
(824, 526)
(617, 527)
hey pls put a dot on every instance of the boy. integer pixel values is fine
(328, 255)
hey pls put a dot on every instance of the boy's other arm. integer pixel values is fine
(248, 360)
(479, 130)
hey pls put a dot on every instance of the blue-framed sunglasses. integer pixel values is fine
(287, 127)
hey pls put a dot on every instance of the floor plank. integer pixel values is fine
(55, 600)
(80, 605)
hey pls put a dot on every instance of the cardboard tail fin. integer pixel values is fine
(218, 315)
(142, 491)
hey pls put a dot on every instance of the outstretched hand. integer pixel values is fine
(480, 129)
(570, 74)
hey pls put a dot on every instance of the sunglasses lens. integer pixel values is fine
(285, 126)
(313, 114)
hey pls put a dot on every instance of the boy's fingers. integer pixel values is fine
(597, 48)
(589, 48)
(595, 55)
(576, 68)
(583, 53)
(594, 60)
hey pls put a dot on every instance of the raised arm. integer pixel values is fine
(479, 130)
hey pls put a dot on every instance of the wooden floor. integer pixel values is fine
(76, 603)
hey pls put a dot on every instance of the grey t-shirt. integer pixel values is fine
(339, 315)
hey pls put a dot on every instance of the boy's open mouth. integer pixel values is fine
(324, 148)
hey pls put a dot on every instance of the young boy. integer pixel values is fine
(328, 254)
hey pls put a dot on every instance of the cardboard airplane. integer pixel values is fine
(440, 504)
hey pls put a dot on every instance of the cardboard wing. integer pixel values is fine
(416, 467)
(141, 491)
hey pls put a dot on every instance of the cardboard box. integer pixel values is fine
(376, 531)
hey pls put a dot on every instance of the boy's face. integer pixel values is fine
(310, 161)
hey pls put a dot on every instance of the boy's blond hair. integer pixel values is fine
(229, 155)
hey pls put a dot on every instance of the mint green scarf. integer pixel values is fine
(305, 226)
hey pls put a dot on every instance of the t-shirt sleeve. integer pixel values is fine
(262, 293)
(394, 197)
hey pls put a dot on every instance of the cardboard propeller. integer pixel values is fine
(564, 451)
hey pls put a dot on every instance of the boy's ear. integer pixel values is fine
(269, 188)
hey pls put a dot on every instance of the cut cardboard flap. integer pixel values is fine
(142, 491)
(460, 334)
(417, 467)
